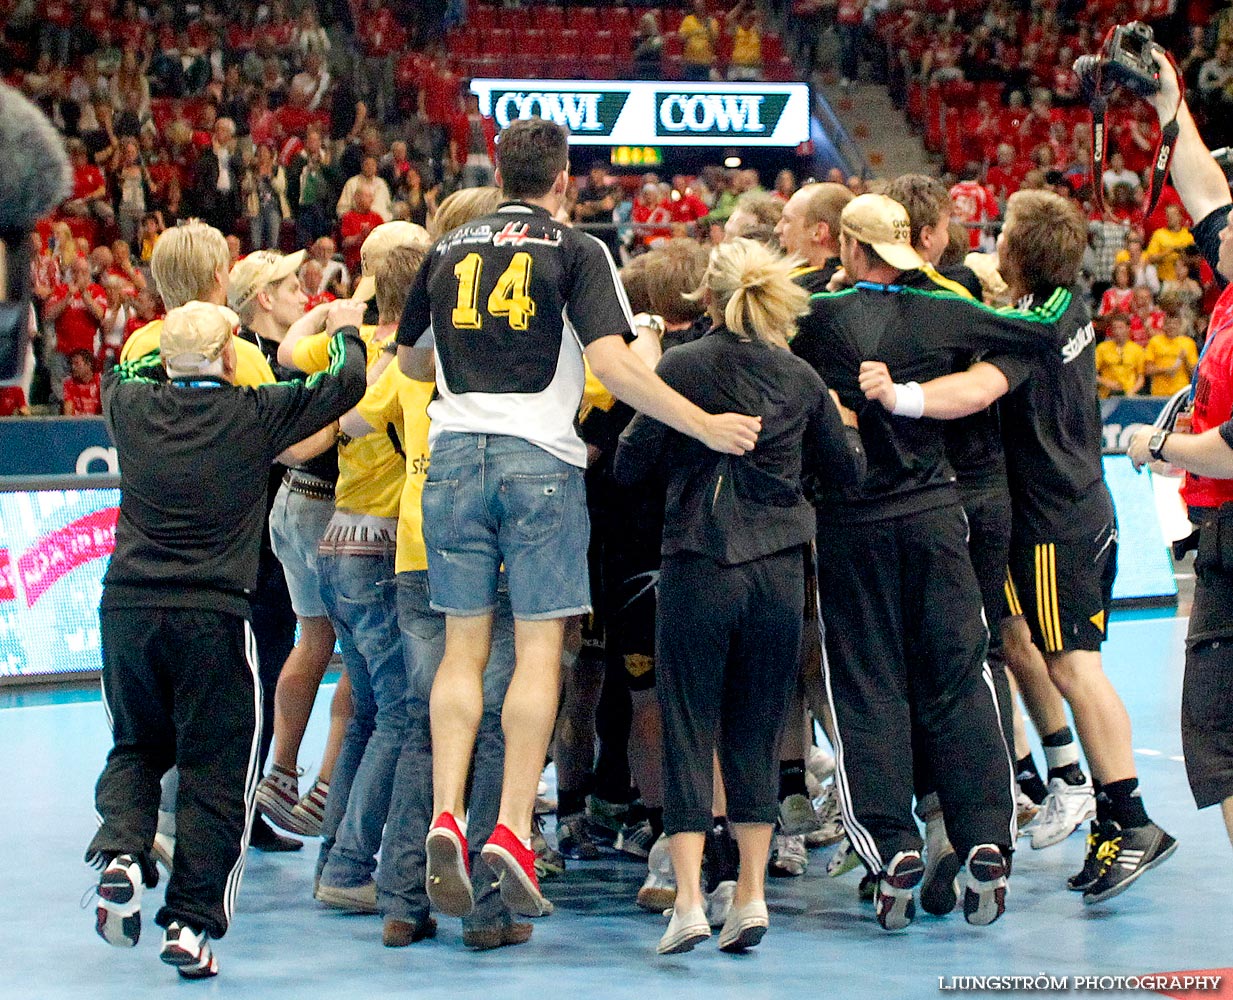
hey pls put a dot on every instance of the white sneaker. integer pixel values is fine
(843, 860)
(820, 764)
(745, 927)
(163, 850)
(117, 918)
(719, 903)
(658, 892)
(684, 931)
(278, 794)
(1025, 811)
(1066, 808)
(189, 951)
(939, 889)
(788, 856)
(830, 830)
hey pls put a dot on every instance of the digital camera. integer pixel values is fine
(1126, 62)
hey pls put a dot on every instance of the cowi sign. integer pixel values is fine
(639, 113)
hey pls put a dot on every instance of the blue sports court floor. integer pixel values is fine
(598, 945)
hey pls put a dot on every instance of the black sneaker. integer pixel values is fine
(1125, 856)
(574, 838)
(1090, 871)
(265, 838)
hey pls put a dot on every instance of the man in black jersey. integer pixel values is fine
(180, 678)
(511, 302)
(1063, 555)
(904, 633)
(809, 231)
(974, 449)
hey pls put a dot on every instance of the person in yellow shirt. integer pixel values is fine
(192, 262)
(1119, 361)
(744, 24)
(699, 36)
(1171, 358)
(1165, 247)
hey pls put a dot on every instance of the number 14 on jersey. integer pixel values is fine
(511, 298)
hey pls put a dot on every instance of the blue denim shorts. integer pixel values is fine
(491, 500)
(297, 523)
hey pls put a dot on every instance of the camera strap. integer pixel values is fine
(1162, 158)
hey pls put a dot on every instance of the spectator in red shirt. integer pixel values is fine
(380, 37)
(473, 138)
(312, 281)
(89, 186)
(1006, 175)
(973, 204)
(651, 216)
(13, 401)
(76, 308)
(686, 207)
(1145, 319)
(356, 225)
(1119, 297)
(79, 392)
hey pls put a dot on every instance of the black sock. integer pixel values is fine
(719, 855)
(1125, 803)
(655, 816)
(1029, 779)
(571, 803)
(1072, 774)
(792, 779)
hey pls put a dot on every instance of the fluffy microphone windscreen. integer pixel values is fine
(34, 170)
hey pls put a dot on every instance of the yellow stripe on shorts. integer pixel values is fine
(1012, 595)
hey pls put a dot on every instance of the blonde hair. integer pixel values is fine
(752, 286)
(394, 277)
(462, 207)
(66, 243)
(186, 261)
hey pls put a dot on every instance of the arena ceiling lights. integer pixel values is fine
(656, 113)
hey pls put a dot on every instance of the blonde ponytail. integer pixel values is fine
(752, 286)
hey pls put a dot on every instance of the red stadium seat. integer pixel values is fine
(585, 19)
(599, 44)
(619, 20)
(670, 20)
(772, 48)
(534, 42)
(499, 42)
(566, 44)
(462, 43)
(482, 17)
(550, 18)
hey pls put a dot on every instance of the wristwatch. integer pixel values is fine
(1155, 444)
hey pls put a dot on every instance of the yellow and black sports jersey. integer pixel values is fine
(814, 278)
(511, 300)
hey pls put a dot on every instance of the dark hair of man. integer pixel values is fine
(672, 272)
(394, 277)
(1044, 238)
(925, 198)
(530, 154)
(958, 247)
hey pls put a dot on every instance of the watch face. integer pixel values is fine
(1155, 443)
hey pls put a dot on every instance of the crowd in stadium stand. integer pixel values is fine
(293, 125)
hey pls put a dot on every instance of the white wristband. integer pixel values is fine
(909, 400)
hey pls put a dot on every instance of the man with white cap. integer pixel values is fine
(907, 640)
(180, 674)
(264, 290)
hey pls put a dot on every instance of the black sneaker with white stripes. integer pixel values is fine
(189, 951)
(1125, 856)
(1092, 863)
(118, 915)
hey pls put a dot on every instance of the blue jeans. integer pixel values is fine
(265, 228)
(400, 880)
(362, 601)
(491, 499)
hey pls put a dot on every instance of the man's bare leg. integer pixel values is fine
(455, 707)
(297, 689)
(1101, 719)
(528, 717)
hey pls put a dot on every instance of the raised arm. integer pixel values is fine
(1198, 178)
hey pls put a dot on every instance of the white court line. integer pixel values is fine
(1148, 753)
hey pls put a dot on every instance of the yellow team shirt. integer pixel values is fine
(1165, 350)
(251, 367)
(1172, 244)
(1123, 364)
(403, 402)
(370, 471)
(746, 47)
(697, 46)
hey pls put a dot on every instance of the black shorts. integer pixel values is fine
(1064, 589)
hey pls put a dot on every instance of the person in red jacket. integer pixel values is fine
(356, 225)
(77, 309)
(381, 36)
(81, 390)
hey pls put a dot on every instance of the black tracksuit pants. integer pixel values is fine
(905, 642)
(988, 513)
(727, 658)
(180, 687)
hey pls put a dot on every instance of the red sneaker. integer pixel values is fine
(449, 869)
(513, 863)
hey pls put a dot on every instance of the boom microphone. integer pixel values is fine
(34, 179)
